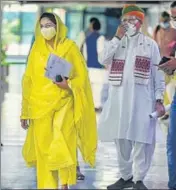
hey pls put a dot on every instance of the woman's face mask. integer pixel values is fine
(48, 29)
(164, 25)
(48, 33)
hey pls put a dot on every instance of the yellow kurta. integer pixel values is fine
(59, 119)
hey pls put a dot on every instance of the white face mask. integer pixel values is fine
(48, 33)
(174, 23)
(131, 29)
(164, 25)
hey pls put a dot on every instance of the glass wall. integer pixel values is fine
(74, 22)
(18, 27)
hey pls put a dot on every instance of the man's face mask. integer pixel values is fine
(130, 25)
(48, 33)
(131, 29)
(164, 25)
(174, 24)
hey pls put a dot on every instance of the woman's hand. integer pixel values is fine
(63, 84)
(24, 123)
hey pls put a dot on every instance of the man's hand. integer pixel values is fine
(63, 84)
(24, 124)
(160, 108)
(170, 65)
(121, 30)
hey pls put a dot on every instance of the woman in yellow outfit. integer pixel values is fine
(61, 115)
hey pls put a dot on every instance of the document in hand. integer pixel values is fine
(57, 66)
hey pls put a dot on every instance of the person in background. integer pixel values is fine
(90, 43)
(136, 90)
(82, 36)
(94, 27)
(165, 36)
(58, 115)
(91, 48)
(171, 138)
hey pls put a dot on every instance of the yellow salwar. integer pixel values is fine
(59, 119)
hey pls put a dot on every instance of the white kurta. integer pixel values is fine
(126, 113)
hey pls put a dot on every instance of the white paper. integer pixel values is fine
(57, 66)
(155, 114)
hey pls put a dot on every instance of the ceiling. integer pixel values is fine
(102, 3)
(84, 1)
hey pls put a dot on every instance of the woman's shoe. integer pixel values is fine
(80, 176)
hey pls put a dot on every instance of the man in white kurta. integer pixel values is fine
(136, 90)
